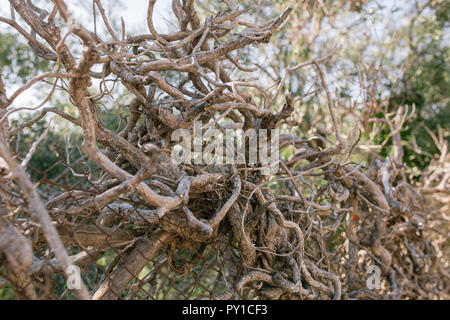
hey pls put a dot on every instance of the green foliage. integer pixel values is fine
(425, 83)
(338, 237)
(50, 155)
(17, 61)
(7, 292)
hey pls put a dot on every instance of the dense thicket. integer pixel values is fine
(362, 189)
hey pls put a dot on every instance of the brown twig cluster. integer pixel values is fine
(311, 231)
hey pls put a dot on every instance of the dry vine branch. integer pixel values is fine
(270, 237)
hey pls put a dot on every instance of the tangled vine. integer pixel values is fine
(310, 231)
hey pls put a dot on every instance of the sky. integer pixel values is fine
(134, 13)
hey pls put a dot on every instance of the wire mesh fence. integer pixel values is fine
(119, 254)
(123, 263)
